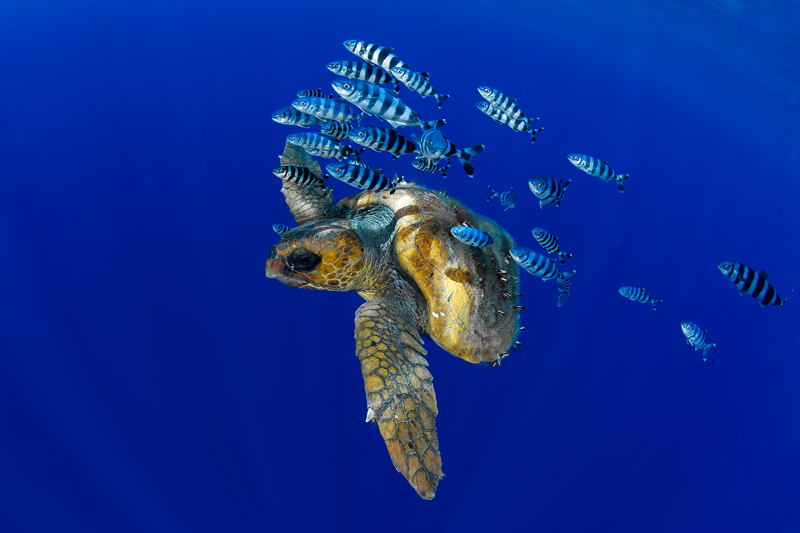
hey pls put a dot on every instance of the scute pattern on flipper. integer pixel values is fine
(307, 204)
(399, 391)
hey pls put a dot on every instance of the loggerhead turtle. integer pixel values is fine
(397, 252)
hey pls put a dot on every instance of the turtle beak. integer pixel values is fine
(278, 269)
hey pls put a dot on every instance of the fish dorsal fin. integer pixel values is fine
(424, 75)
(763, 274)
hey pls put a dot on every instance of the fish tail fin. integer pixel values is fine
(783, 302)
(492, 194)
(563, 256)
(567, 183)
(707, 349)
(533, 131)
(430, 124)
(655, 303)
(466, 154)
(395, 84)
(357, 153)
(621, 182)
(440, 98)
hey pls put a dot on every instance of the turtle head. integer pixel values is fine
(324, 255)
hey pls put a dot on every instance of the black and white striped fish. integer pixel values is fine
(472, 236)
(696, 336)
(361, 176)
(356, 70)
(506, 104)
(434, 146)
(426, 165)
(550, 243)
(374, 100)
(563, 291)
(314, 92)
(300, 176)
(316, 144)
(292, 117)
(326, 108)
(382, 139)
(518, 124)
(598, 168)
(538, 264)
(381, 56)
(418, 81)
(340, 130)
(637, 294)
(753, 282)
(507, 198)
(280, 229)
(548, 190)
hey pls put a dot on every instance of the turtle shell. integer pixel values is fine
(470, 292)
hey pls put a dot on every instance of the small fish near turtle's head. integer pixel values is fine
(484, 106)
(538, 185)
(337, 170)
(324, 255)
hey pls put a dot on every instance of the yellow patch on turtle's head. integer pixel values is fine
(325, 255)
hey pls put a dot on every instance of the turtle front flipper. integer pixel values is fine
(307, 203)
(400, 396)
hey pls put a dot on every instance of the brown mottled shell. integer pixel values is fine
(470, 307)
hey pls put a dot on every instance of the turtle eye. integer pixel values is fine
(303, 260)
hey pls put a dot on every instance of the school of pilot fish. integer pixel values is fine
(360, 92)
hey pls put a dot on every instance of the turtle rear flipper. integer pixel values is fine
(400, 395)
(307, 203)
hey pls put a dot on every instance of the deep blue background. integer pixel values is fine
(152, 379)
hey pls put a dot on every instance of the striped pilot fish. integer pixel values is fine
(507, 198)
(382, 139)
(753, 282)
(506, 104)
(314, 92)
(340, 130)
(538, 264)
(518, 124)
(356, 70)
(637, 294)
(316, 144)
(300, 176)
(472, 236)
(380, 56)
(418, 81)
(599, 168)
(695, 336)
(280, 229)
(292, 117)
(563, 291)
(326, 108)
(361, 176)
(548, 190)
(434, 146)
(426, 165)
(374, 100)
(550, 243)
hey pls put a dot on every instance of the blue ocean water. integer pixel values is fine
(154, 380)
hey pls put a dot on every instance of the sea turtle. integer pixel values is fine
(396, 251)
